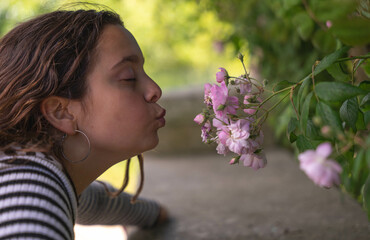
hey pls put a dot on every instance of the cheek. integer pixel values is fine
(124, 118)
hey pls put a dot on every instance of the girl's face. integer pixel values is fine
(120, 114)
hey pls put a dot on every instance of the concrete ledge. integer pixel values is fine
(211, 200)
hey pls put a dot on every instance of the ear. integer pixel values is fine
(56, 111)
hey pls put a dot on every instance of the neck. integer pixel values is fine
(84, 173)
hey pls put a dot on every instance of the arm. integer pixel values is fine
(96, 207)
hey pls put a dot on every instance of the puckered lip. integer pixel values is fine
(161, 114)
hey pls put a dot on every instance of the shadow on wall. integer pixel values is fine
(181, 135)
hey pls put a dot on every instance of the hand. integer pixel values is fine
(162, 217)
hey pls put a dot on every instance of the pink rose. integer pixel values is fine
(222, 149)
(233, 161)
(208, 94)
(254, 144)
(206, 128)
(255, 161)
(329, 24)
(244, 86)
(322, 171)
(199, 118)
(221, 75)
(223, 104)
(250, 111)
(218, 124)
(235, 135)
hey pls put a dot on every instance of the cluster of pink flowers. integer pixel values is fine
(230, 120)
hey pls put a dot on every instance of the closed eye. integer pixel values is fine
(129, 79)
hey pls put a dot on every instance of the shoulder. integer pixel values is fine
(35, 199)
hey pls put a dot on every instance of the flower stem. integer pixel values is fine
(274, 94)
(353, 58)
(272, 108)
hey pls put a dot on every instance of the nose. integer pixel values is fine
(153, 92)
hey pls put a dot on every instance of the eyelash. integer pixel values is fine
(130, 79)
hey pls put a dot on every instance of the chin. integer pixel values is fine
(152, 144)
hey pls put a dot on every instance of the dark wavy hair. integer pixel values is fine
(46, 56)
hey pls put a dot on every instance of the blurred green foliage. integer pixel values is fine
(329, 99)
(287, 36)
(180, 41)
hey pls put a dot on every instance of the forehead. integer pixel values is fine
(115, 43)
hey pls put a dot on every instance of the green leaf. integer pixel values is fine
(358, 64)
(292, 137)
(323, 41)
(349, 112)
(364, 8)
(360, 123)
(336, 71)
(292, 125)
(304, 25)
(333, 9)
(366, 118)
(366, 197)
(367, 156)
(330, 59)
(290, 3)
(301, 92)
(311, 131)
(282, 84)
(352, 31)
(303, 143)
(365, 85)
(329, 117)
(365, 103)
(305, 112)
(337, 91)
(358, 163)
(366, 67)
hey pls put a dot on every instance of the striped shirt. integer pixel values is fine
(38, 201)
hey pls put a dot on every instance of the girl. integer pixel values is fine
(74, 100)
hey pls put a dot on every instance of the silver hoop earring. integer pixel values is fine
(88, 153)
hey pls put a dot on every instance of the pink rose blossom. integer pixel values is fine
(205, 131)
(221, 75)
(218, 124)
(255, 161)
(207, 94)
(244, 86)
(234, 136)
(254, 144)
(232, 104)
(222, 149)
(199, 118)
(322, 171)
(250, 111)
(329, 24)
(223, 103)
(233, 161)
(219, 95)
(326, 130)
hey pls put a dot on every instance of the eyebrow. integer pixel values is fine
(131, 58)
